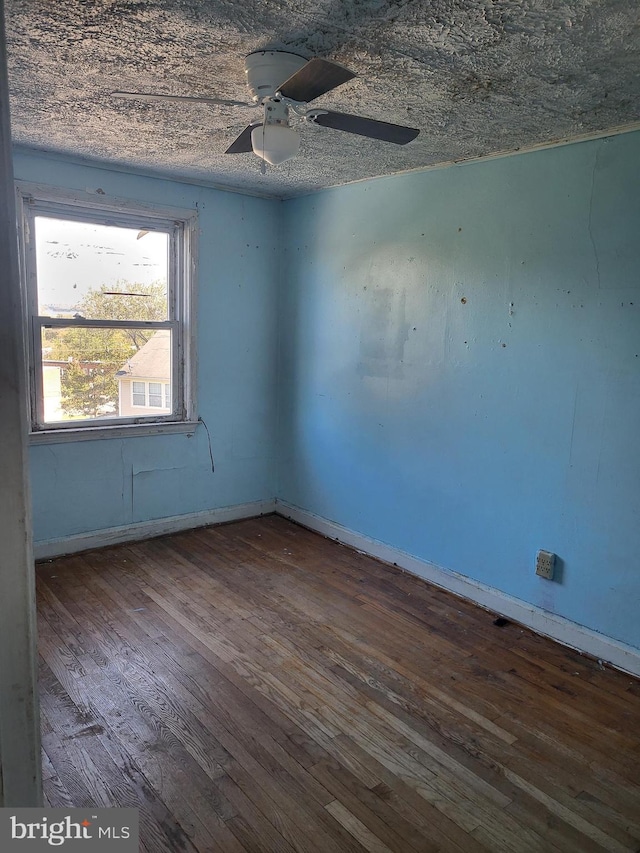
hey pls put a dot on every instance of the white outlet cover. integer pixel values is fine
(545, 563)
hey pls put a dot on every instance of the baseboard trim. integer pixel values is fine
(48, 548)
(619, 655)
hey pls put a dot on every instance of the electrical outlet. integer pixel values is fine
(545, 562)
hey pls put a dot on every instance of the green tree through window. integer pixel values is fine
(93, 356)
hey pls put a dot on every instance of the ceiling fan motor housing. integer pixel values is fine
(267, 70)
(276, 112)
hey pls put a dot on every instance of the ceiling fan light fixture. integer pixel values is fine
(281, 82)
(275, 143)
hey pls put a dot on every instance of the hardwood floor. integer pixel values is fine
(255, 687)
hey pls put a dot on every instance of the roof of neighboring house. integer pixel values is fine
(152, 361)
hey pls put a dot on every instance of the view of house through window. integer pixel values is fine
(104, 330)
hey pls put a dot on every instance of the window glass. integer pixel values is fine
(155, 395)
(83, 368)
(139, 397)
(100, 272)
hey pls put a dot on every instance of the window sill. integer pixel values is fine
(64, 436)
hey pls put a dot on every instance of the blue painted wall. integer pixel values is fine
(90, 485)
(460, 370)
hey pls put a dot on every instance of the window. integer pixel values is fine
(139, 394)
(155, 395)
(150, 394)
(108, 296)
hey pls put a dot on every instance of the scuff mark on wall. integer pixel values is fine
(51, 451)
(124, 479)
(155, 486)
(141, 471)
(591, 238)
(384, 331)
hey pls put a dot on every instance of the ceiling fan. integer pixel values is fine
(282, 84)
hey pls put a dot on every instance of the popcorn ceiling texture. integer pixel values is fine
(476, 78)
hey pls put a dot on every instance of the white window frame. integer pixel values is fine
(182, 226)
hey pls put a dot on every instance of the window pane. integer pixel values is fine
(101, 272)
(167, 396)
(155, 395)
(102, 373)
(138, 395)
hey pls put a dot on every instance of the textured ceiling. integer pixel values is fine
(475, 77)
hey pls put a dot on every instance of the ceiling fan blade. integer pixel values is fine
(366, 127)
(314, 79)
(150, 96)
(242, 144)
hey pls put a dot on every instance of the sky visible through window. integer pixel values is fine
(74, 258)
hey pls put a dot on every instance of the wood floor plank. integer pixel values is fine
(136, 739)
(255, 687)
(492, 762)
(389, 826)
(403, 794)
(356, 828)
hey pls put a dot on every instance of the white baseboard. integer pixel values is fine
(48, 548)
(619, 655)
